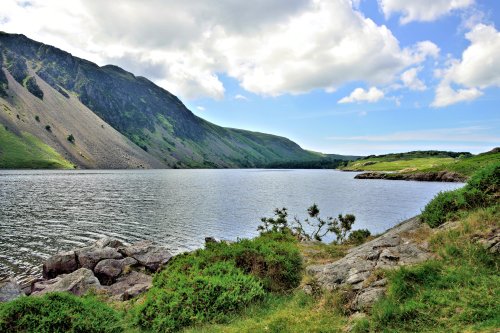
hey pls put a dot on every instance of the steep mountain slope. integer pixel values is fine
(75, 96)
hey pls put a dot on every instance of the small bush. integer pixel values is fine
(444, 204)
(71, 138)
(481, 190)
(318, 226)
(209, 285)
(486, 180)
(58, 312)
(192, 291)
(48, 128)
(358, 237)
(37, 118)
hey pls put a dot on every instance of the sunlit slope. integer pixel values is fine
(27, 152)
(426, 161)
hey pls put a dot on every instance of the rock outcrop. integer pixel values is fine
(107, 265)
(441, 176)
(357, 270)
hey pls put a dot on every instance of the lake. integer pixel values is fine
(45, 212)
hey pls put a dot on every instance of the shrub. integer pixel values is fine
(486, 180)
(439, 209)
(71, 138)
(48, 128)
(482, 189)
(358, 237)
(320, 227)
(192, 290)
(208, 285)
(37, 118)
(58, 312)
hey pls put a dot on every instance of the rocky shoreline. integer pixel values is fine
(107, 266)
(441, 176)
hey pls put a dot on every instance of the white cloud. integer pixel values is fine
(270, 47)
(371, 95)
(421, 10)
(446, 95)
(200, 108)
(478, 69)
(411, 81)
(241, 97)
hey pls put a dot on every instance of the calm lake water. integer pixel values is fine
(45, 212)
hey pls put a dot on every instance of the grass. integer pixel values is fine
(292, 313)
(458, 292)
(28, 152)
(463, 165)
(381, 164)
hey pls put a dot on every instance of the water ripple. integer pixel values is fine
(44, 212)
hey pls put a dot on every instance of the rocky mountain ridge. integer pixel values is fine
(42, 86)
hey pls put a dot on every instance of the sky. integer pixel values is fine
(354, 77)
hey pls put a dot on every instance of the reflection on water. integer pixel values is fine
(44, 212)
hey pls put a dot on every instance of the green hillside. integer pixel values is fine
(148, 115)
(27, 152)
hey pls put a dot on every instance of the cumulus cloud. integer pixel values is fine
(411, 81)
(421, 10)
(478, 69)
(358, 95)
(270, 47)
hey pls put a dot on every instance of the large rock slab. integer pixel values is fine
(79, 282)
(393, 249)
(147, 254)
(61, 263)
(108, 270)
(129, 286)
(10, 290)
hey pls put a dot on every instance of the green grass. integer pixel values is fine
(464, 165)
(458, 292)
(294, 313)
(468, 166)
(415, 164)
(28, 152)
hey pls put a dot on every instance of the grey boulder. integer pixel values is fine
(60, 263)
(129, 286)
(147, 254)
(79, 282)
(88, 257)
(108, 270)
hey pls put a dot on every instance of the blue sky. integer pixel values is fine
(338, 76)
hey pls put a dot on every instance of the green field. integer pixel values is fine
(28, 152)
(411, 163)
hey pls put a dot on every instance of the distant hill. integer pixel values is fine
(463, 163)
(116, 119)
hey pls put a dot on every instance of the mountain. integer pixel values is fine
(105, 117)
